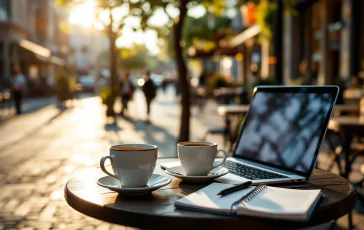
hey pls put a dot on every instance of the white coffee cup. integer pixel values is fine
(133, 164)
(197, 158)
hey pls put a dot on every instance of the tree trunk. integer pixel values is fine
(278, 40)
(113, 77)
(184, 84)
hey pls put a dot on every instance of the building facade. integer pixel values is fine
(31, 39)
(323, 43)
(88, 46)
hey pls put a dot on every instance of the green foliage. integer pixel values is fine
(65, 83)
(196, 31)
(216, 81)
(135, 58)
(267, 81)
(290, 6)
(341, 82)
(107, 95)
(297, 81)
(266, 12)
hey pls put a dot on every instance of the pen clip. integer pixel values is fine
(235, 188)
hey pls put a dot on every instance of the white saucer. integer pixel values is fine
(156, 181)
(177, 171)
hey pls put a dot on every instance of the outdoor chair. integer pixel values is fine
(334, 142)
(216, 131)
(5, 102)
(360, 184)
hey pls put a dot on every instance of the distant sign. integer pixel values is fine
(334, 34)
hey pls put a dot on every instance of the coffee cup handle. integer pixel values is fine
(223, 160)
(102, 165)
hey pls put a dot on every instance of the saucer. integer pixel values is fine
(177, 171)
(155, 182)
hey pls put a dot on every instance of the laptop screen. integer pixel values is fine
(285, 129)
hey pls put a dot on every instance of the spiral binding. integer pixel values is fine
(250, 195)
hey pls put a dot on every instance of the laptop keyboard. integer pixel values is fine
(250, 172)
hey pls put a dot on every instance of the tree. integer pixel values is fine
(135, 58)
(112, 28)
(145, 9)
(203, 33)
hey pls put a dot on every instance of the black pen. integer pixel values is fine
(235, 188)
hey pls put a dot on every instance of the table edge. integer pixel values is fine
(133, 218)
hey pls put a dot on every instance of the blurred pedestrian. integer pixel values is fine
(150, 91)
(164, 84)
(127, 89)
(202, 78)
(17, 88)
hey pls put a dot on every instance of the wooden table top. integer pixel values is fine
(224, 91)
(225, 110)
(157, 211)
(352, 124)
(347, 107)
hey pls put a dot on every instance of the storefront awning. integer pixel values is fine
(245, 35)
(35, 48)
(52, 59)
(41, 52)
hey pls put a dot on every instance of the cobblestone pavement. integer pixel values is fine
(7, 109)
(40, 151)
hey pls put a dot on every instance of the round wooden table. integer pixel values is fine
(157, 211)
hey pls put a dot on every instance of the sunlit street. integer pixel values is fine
(40, 151)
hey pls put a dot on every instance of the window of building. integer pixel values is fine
(5, 10)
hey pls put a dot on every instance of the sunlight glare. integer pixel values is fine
(84, 14)
(99, 25)
(141, 82)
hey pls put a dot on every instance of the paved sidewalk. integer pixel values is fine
(40, 151)
(29, 105)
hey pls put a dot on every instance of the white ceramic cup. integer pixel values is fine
(197, 158)
(133, 164)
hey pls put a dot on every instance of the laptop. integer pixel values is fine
(282, 134)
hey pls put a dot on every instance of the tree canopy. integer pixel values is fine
(136, 57)
(205, 32)
(143, 11)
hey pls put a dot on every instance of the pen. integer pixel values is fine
(234, 188)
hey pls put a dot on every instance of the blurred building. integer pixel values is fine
(31, 38)
(319, 42)
(325, 40)
(323, 43)
(88, 45)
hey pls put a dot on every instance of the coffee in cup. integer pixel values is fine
(197, 158)
(132, 164)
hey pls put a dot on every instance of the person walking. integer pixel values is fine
(17, 88)
(127, 89)
(150, 91)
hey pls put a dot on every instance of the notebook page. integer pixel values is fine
(207, 198)
(283, 201)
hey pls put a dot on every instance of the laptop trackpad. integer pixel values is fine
(231, 179)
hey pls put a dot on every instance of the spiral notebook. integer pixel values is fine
(261, 201)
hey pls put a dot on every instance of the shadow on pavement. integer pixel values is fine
(34, 104)
(36, 129)
(157, 135)
(113, 128)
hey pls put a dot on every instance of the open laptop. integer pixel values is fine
(281, 135)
